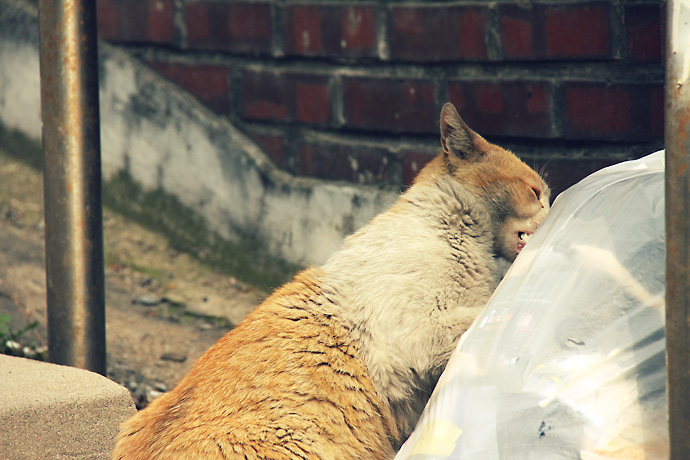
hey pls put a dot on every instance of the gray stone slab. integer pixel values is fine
(58, 412)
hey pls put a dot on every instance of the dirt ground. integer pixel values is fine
(163, 308)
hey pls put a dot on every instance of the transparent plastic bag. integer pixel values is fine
(567, 359)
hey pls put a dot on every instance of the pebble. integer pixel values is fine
(149, 300)
(153, 394)
(175, 357)
(162, 387)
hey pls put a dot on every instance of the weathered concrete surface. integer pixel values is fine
(58, 412)
(164, 139)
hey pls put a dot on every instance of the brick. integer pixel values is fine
(313, 103)
(414, 161)
(197, 21)
(550, 32)
(359, 30)
(281, 96)
(505, 108)
(160, 21)
(472, 32)
(107, 19)
(305, 30)
(516, 37)
(394, 105)
(489, 99)
(437, 33)
(538, 98)
(250, 25)
(318, 30)
(457, 97)
(597, 111)
(140, 21)
(273, 145)
(629, 112)
(658, 111)
(210, 84)
(242, 27)
(577, 31)
(265, 96)
(361, 164)
(644, 33)
(522, 32)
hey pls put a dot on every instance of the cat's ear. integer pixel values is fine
(457, 139)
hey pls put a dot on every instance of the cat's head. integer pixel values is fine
(515, 196)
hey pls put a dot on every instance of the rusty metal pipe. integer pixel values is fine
(72, 183)
(677, 143)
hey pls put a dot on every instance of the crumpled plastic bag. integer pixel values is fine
(567, 360)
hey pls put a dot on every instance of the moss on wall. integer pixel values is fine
(186, 231)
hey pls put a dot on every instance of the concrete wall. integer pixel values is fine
(165, 139)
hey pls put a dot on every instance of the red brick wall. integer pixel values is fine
(352, 90)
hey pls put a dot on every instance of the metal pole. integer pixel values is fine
(72, 183)
(677, 142)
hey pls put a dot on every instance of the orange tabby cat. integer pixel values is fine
(339, 363)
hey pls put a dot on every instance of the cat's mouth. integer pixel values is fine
(523, 238)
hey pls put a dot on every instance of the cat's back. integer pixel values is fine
(288, 382)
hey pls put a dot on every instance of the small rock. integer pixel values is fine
(160, 387)
(12, 345)
(153, 394)
(29, 352)
(175, 357)
(149, 300)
